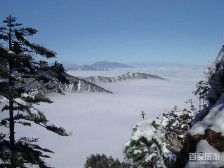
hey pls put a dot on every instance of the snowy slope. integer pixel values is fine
(127, 76)
(207, 134)
(75, 84)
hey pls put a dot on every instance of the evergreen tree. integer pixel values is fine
(18, 69)
(202, 88)
(145, 148)
(192, 109)
(102, 161)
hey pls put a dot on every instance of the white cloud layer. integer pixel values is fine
(101, 123)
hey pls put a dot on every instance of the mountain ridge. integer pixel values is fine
(87, 68)
(75, 84)
(108, 64)
(127, 76)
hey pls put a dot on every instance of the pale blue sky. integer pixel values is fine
(86, 31)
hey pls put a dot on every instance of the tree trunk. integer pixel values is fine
(12, 134)
(11, 123)
(11, 117)
(200, 103)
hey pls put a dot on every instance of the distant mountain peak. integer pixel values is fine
(108, 64)
(88, 68)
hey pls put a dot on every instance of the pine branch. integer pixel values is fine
(4, 37)
(58, 130)
(28, 31)
(23, 123)
(38, 49)
(5, 122)
(25, 152)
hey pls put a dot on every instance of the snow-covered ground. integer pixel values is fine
(102, 123)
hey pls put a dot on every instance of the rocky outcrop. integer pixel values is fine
(207, 132)
(175, 124)
(127, 76)
(81, 85)
(74, 84)
(213, 138)
(189, 146)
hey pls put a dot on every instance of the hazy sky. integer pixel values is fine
(85, 31)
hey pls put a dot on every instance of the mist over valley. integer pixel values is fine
(101, 122)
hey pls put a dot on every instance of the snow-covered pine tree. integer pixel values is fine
(102, 161)
(17, 69)
(202, 88)
(145, 148)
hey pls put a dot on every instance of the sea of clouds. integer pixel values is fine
(102, 123)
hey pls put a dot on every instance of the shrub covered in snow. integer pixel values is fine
(175, 124)
(102, 161)
(145, 148)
